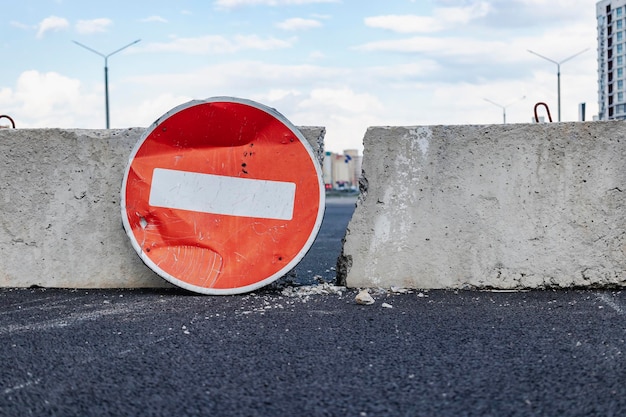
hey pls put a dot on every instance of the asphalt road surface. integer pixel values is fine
(312, 351)
(320, 262)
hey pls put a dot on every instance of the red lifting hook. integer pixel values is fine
(12, 122)
(547, 110)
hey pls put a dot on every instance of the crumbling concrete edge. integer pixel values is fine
(344, 262)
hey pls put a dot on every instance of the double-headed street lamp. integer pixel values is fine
(558, 73)
(504, 107)
(106, 72)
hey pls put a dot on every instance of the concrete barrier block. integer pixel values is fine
(60, 221)
(502, 206)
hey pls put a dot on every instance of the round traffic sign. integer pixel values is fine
(222, 196)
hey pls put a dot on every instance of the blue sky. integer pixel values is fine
(343, 64)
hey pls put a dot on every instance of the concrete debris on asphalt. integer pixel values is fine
(364, 298)
(320, 289)
(385, 305)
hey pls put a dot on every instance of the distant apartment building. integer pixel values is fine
(342, 171)
(611, 15)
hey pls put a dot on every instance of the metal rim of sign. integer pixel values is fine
(237, 289)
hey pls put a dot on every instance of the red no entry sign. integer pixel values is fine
(222, 196)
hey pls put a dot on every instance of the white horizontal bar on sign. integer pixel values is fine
(217, 194)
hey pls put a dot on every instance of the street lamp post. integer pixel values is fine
(504, 107)
(558, 74)
(106, 72)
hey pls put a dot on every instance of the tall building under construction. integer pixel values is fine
(611, 16)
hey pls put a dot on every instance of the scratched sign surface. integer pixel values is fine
(222, 196)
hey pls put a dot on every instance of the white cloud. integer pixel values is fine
(463, 15)
(87, 27)
(560, 42)
(49, 99)
(321, 16)
(405, 23)
(157, 19)
(504, 51)
(344, 112)
(298, 23)
(244, 77)
(523, 15)
(212, 44)
(343, 100)
(553, 9)
(148, 110)
(240, 77)
(294, 90)
(278, 94)
(51, 23)
(229, 4)
(45, 90)
(436, 46)
(403, 74)
(20, 25)
(256, 42)
(443, 18)
(316, 56)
